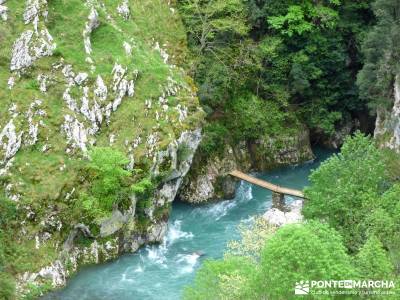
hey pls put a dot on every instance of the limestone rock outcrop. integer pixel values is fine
(209, 180)
(387, 126)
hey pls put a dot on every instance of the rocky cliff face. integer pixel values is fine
(387, 126)
(78, 74)
(208, 179)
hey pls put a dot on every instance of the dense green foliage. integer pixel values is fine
(287, 54)
(353, 192)
(381, 49)
(254, 118)
(298, 252)
(143, 190)
(373, 261)
(109, 182)
(352, 232)
(343, 199)
(225, 279)
(294, 253)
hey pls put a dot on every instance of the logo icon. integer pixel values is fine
(302, 288)
(348, 284)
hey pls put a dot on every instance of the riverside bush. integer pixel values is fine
(346, 187)
(299, 252)
(295, 252)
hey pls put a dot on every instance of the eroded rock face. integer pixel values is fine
(33, 43)
(209, 180)
(387, 126)
(10, 141)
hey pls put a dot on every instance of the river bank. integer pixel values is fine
(161, 271)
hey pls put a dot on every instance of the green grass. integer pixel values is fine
(67, 20)
(36, 176)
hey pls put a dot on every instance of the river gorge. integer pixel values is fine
(195, 233)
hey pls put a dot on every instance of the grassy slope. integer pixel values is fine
(37, 176)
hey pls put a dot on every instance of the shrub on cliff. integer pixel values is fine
(251, 117)
(108, 180)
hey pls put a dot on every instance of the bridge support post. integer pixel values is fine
(278, 201)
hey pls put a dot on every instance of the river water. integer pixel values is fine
(160, 272)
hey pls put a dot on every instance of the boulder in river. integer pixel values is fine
(278, 217)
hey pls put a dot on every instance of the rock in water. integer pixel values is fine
(278, 217)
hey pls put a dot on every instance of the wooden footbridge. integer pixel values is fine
(278, 192)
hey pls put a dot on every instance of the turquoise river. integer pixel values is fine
(160, 272)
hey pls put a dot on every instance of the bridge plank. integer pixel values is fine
(265, 184)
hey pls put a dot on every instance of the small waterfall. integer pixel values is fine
(157, 254)
(175, 233)
(244, 192)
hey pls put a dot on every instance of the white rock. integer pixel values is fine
(69, 74)
(10, 141)
(72, 105)
(388, 122)
(75, 132)
(11, 82)
(55, 272)
(128, 48)
(163, 53)
(101, 90)
(124, 10)
(33, 9)
(3, 12)
(279, 218)
(34, 110)
(92, 23)
(42, 82)
(183, 112)
(30, 47)
(37, 242)
(81, 78)
(44, 45)
(131, 88)
(21, 57)
(112, 139)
